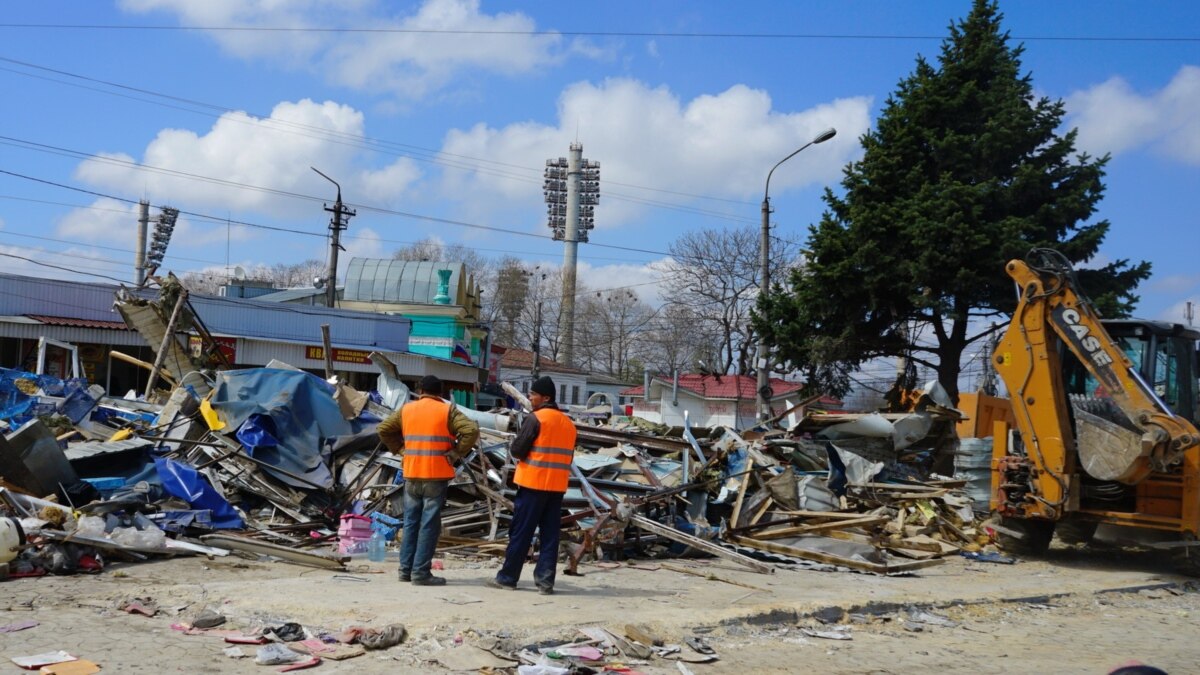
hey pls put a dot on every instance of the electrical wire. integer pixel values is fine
(578, 33)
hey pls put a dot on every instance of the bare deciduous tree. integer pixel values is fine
(611, 331)
(714, 274)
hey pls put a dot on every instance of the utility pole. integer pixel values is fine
(139, 252)
(537, 343)
(337, 223)
(762, 362)
(1189, 312)
(572, 189)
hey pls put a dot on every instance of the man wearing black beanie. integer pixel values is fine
(544, 449)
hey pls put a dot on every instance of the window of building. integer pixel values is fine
(562, 392)
(575, 395)
(525, 387)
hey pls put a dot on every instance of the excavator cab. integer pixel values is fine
(1165, 356)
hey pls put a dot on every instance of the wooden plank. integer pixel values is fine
(821, 527)
(707, 575)
(695, 542)
(237, 543)
(737, 505)
(762, 510)
(830, 559)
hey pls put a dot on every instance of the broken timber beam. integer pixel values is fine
(236, 543)
(822, 527)
(698, 543)
(830, 559)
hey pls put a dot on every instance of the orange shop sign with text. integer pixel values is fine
(339, 355)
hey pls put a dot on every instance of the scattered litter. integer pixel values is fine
(275, 654)
(143, 606)
(208, 619)
(43, 659)
(837, 634)
(20, 625)
(988, 557)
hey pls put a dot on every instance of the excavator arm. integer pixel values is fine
(1052, 308)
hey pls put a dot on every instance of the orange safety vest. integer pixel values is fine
(427, 439)
(548, 466)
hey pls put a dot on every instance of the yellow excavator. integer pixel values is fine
(1106, 415)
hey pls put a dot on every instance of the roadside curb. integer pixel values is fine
(835, 612)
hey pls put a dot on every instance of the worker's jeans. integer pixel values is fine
(540, 510)
(423, 501)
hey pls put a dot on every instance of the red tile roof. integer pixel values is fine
(78, 323)
(522, 359)
(721, 386)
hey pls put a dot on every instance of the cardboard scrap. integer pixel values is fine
(77, 667)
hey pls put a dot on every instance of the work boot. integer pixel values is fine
(493, 583)
(405, 576)
(428, 581)
(545, 590)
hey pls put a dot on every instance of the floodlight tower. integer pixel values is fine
(572, 190)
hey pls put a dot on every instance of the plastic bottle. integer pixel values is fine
(377, 547)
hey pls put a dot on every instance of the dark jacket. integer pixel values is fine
(523, 443)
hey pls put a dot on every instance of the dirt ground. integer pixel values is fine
(1076, 612)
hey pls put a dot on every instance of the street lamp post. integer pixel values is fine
(763, 360)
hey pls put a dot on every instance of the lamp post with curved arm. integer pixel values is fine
(763, 361)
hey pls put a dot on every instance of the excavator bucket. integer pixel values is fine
(1107, 443)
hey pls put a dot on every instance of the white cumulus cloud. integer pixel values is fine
(718, 145)
(1112, 117)
(249, 164)
(425, 50)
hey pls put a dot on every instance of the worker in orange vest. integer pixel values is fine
(432, 435)
(544, 449)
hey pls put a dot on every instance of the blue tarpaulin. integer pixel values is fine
(294, 409)
(184, 482)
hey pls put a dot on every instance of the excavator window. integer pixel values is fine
(1166, 373)
(1080, 381)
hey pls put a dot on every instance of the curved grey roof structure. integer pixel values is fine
(399, 281)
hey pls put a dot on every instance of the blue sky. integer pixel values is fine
(456, 127)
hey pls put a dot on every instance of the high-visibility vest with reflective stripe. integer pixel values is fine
(548, 466)
(427, 440)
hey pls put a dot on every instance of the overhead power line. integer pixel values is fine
(581, 33)
(5, 140)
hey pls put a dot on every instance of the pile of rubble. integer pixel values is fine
(279, 462)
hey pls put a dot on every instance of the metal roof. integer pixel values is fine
(399, 281)
(86, 301)
(78, 323)
(293, 294)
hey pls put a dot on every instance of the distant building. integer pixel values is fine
(516, 368)
(440, 299)
(711, 400)
(250, 332)
(614, 387)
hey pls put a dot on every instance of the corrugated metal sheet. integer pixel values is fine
(224, 316)
(34, 330)
(79, 323)
(399, 281)
(273, 321)
(258, 353)
(77, 299)
(300, 296)
(153, 330)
